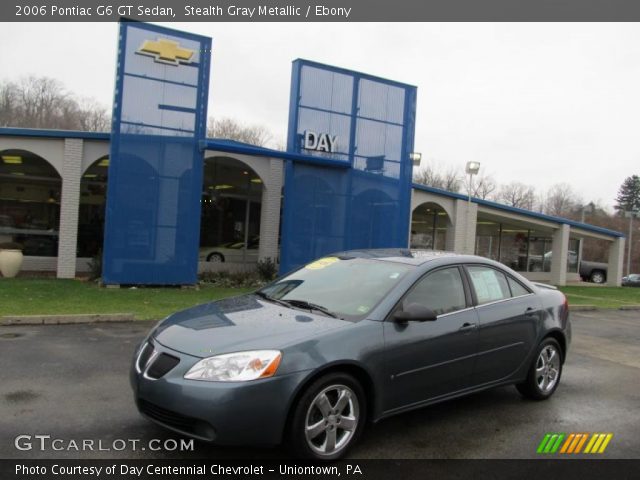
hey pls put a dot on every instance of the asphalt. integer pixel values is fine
(70, 382)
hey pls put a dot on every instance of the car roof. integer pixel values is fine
(404, 255)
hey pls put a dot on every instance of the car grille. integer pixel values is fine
(188, 425)
(155, 364)
(162, 365)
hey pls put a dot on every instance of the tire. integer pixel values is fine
(327, 404)
(597, 276)
(541, 382)
(215, 258)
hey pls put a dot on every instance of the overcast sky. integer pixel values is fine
(533, 102)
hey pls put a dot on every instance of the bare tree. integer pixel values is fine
(433, 176)
(94, 117)
(516, 194)
(484, 187)
(231, 129)
(561, 200)
(43, 102)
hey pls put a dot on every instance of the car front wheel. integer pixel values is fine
(598, 277)
(328, 418)
(215, 258)
(544, 373)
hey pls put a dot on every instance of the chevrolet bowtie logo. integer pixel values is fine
(166, 51)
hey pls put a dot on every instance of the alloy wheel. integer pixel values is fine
(332, 419)
(547, 368)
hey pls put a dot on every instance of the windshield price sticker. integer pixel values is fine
(322, 263)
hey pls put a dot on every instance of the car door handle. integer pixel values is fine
(530, 312)
(467, 327)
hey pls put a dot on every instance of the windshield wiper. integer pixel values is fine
(272, 299)
(310, 306)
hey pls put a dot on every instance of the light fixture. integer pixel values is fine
(415, 158)
(90, 175)
(256, 180)
(472, 168)
(18, 173)
(223, 187)
(12, 159)
(245, 173)
(104, 162)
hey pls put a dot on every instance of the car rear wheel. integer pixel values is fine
(328, 418)
(597, 276)
(544, 373)
(215, 258)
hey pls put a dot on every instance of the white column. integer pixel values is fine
(461, 236)
(616, 255)
(560, 249)
(69, 207)
(270, 211)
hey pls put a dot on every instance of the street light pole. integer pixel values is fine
(630, 214)
(471, 169)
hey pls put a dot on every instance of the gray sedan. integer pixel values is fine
(348, 339)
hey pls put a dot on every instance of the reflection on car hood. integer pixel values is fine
(239, 323)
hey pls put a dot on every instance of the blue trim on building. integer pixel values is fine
(520, 211)
(231, 146)
(243, 148)
(38, 132)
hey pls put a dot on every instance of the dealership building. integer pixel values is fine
(54, 184)
(160, 202)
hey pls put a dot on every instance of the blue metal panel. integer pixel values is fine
(155, 170)
(366, 204)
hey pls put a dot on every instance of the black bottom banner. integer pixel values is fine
(358, 469)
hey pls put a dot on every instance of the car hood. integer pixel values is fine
(240, 323)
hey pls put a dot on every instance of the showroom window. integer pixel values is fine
(29, 202)
(230, 214)
(93, 195)
(429, 225)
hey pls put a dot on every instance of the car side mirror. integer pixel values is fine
(414, 312)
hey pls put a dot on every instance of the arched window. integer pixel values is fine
(29, 202)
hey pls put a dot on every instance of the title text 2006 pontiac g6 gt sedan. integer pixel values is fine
(350, 338)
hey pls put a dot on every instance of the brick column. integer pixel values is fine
(270, 211)
(69, 207)
(614, 269)
(560, 249)
(461, 237)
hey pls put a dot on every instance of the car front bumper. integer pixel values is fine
(226, 413)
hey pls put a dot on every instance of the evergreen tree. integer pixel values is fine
(629, 194)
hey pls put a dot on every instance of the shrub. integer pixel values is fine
(267, 269)
(232, 279)
(95, 266)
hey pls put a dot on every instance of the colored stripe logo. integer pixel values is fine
(574, 443)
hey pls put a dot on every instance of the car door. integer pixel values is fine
(508, 314)
(426, 360)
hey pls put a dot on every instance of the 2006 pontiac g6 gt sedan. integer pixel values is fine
(348, 339)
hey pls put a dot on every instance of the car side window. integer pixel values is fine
(517, 290)
(442, 291)
(490, 284)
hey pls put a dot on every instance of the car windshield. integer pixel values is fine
(345, 287)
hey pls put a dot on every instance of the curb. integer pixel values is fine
(630, 307)
(582, 308)
(65, 319)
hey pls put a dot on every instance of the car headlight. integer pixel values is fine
(236, 367)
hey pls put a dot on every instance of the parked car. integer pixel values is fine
(231, 252)
(595, 272)
(348, 339)
(632, 280)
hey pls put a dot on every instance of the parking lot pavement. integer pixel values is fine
(71, 382)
